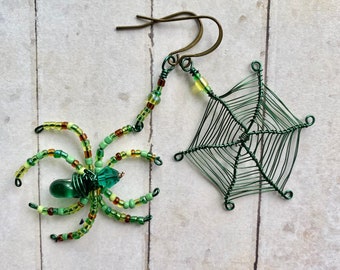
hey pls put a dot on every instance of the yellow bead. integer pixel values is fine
(113, 197)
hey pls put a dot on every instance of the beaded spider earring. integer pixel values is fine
(93, 179)
(247, 141)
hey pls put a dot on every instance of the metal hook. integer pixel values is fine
(174, 17)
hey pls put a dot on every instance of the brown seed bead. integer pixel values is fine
(118, 156)
(60, 237)
(88, 154)
(50, 211)
(83, 137)
(150, 105)
(64, 125)
(75, 163)
(116, 201)
(161, 82)
(119, 132)
(69, 236)
(92, 216)
(127, 218)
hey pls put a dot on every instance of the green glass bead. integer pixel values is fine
(60, 211)
(108, 177)
(63, 188)
(75, 235)
(64, 236)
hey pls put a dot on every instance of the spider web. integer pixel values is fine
(247, 141)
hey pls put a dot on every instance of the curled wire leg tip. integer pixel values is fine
(18, 182)
(229, 205)
(147, 218)
(39, 129)
(179, 156)
(155, 192)
(158, 161)
(288, 194)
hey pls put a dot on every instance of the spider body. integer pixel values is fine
(80, 185)
(91, 181)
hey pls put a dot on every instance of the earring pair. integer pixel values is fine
(247, 141)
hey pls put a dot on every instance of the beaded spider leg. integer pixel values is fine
(247, 141)
(60, 154)
(85, 183)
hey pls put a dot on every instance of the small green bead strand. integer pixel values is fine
(107, 141)
(154, 98)
(86, 226)
(134, 154)
(85, 143)
(60, 211)
(43, 154)
(122, 217)
(132, 203)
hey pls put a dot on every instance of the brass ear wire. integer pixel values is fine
(174, 17)
(169, 18)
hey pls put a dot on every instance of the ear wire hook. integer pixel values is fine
(174, 17)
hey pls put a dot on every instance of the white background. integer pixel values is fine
(64, 61)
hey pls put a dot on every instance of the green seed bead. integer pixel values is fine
(132, 203)
(100, 153)
(108, 210)
(126, 205)
(140, 220)
(108, 140)
(57, 153)
(70, 159)
(75, 235)
(103, 145)
(63, 154)
(84, 201)
(60, 211)
(64, 236)
(88, 161)
(133, 219)
(40, 155)
(30, 162)
(117, 216)
(143, 199)
(149, 196)
(144, 154)
(99, 164)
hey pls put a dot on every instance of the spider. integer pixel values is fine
(90, 181)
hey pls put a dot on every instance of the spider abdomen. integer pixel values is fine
(76, 187)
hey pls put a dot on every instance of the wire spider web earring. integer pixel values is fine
(247, 141)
